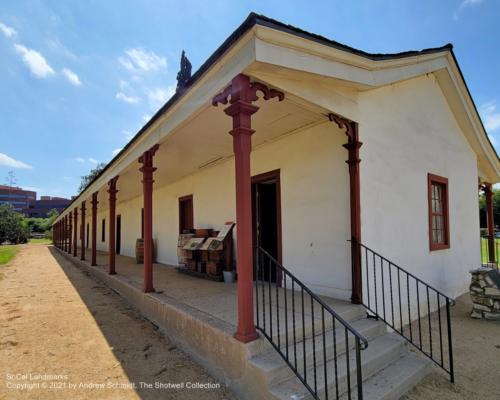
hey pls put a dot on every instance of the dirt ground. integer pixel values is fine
(63, 335)
(476, 350)
(55, 320)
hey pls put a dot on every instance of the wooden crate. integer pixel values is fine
(214, 268)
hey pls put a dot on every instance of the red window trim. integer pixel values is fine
(431, 178)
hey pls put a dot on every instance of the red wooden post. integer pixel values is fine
(147, 170)
(54, 233)
(75, 229)
(240, 94)
(94, 228)
(65, 243)
(70, 232)
(112, 219)
(353, 144)
(490, 220)
(82, 233)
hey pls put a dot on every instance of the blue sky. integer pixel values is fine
(79, 78)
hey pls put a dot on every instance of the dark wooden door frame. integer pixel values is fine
(118, 243)
(267, 176)
(181, 200)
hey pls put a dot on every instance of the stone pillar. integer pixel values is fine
(82, 233)
(94, 228)
(111, 226)
(241, 94)
(353, 145)
(147, 170)
(75, 230)
(490, 220)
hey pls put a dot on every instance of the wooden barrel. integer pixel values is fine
(139, 251)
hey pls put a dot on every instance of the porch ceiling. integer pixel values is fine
(204, 140)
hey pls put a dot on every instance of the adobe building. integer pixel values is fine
(352, 179)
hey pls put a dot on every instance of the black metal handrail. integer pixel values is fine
(310, 328)
(393, 303)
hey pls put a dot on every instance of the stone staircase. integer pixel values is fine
(389, 368)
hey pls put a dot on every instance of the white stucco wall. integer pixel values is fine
(314, 206)
(408, 131)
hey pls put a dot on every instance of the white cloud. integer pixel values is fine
(116, 151)
(464, 4)
(140, 61)
(10, 162)
(81, 160)
(490, 115)
(159, 96)
(93, 160)
(7, 30)
(128, 135)
(127, 99)
(35, 61)
(146, 118)
(56, 45)
(71, 77)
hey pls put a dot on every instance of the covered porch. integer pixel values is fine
(121, 204)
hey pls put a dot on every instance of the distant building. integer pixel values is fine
(40, 208)
(19, 198)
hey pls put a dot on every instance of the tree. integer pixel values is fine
(13, 228)
(86, 179)
(496, 208)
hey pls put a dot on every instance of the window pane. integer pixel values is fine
(439, 222)
(440, 238)
(434, 236)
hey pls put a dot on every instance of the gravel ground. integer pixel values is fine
(55, 320)
(476, 350)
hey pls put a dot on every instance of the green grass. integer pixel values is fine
(40, 241)
(484, 249)
(7, 253)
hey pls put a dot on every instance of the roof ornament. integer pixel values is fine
(184, 74)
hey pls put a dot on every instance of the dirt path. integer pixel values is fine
(476, 349)
(54, 320)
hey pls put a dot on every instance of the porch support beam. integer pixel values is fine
(94, 228)
(353, 145)
(70, 233)
(147, 170)
(65, 229)
(75, 229)
(488, 193)
(82, 233)
(111, 226)
(62, 234)
(66, 234)
(240, 95)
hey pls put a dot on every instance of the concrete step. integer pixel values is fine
(276, 370)
(285, 319)
(381, 352)
(396, 379)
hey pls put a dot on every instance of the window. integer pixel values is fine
(186, 219)
(439, 232)
(103, 230)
